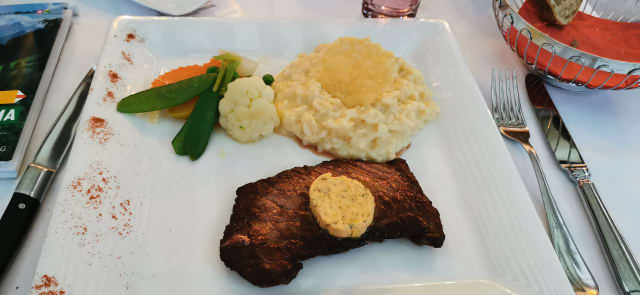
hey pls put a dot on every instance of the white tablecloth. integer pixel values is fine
(604, 124)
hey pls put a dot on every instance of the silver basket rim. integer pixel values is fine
(617, 66)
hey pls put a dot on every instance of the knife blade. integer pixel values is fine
(34, 183)
(619, 256)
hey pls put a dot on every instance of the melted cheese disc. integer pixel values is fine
(342, 206)
(357, 71)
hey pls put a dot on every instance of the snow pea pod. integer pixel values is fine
(200, 124)
(205, 114)
(166, 96)
(178, 141)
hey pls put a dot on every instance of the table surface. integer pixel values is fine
(603, 123)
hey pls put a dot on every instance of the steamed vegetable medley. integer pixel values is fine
(228, 93)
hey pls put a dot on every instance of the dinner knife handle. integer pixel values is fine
(14, 226)
(621, 260)
(576, 269)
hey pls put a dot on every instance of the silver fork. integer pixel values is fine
(507, 112)
(207, 5)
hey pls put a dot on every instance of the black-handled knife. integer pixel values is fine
(34, 183)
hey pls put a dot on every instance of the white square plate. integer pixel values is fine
(167, 240)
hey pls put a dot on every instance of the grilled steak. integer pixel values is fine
(272, 228)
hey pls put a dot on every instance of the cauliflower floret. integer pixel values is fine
(247, 112)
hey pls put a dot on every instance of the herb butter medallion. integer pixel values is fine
(342, 206)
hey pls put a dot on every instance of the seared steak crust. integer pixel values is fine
(272, 228)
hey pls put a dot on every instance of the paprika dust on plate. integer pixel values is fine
(48, 285)
(99, 130)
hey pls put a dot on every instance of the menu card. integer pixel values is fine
(31, 39)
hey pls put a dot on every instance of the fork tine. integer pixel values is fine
(509, 97)
(513, 99)
(504, 105)
(497, 103)
(499, 97)
(497, 107)
(494, 98)
(518, 104)
(503, 97)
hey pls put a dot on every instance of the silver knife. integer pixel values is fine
(34, 183)
(621, 260)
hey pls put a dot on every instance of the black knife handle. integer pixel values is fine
(14, 226)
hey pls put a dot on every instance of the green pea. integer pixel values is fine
(268, 79)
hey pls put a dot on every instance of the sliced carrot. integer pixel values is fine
(184, 110)
(185, 72)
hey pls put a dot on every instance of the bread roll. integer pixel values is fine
(560, 12)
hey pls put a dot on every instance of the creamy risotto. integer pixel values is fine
(353, 99)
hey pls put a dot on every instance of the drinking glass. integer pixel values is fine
(390, 8)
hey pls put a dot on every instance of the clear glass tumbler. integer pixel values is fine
(390, 8)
